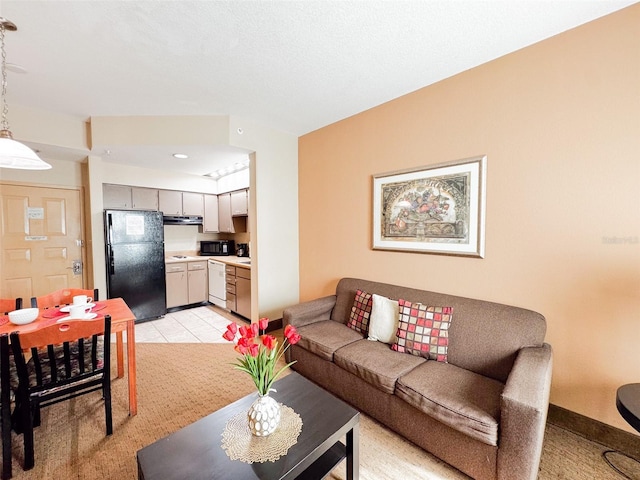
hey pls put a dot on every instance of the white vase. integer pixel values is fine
(263, 416)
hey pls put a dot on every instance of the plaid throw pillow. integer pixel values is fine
(423, 330)
(360, 312)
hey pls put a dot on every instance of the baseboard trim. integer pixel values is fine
(275, 324)
(595, 431)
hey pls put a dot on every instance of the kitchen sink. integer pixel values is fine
(246, 262)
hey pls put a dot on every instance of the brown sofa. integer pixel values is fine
(483, 412)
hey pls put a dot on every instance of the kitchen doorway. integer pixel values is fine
(42, 238)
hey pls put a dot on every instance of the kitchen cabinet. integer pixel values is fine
(177, 284)
(197, 280)
(230, 276)
(192, 204)
(243, 292)
(172, 202)
(126, 197)
(239, 203)
(210, 219)
(239, 290)
(116, 196)
(225, 223)
(144, 198)
(186, 283)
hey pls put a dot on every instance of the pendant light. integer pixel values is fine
(13, 154)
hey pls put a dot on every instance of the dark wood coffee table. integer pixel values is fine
(195, 452)
(628, 403)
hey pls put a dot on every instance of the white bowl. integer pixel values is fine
(24, 316)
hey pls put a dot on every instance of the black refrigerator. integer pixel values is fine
(134, 242)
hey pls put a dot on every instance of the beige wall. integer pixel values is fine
(560, 124)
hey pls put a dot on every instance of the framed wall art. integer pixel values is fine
(434, 209)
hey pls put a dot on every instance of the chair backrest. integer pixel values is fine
(68, 333)
(5, 405)
(9, 305)
(62, 297)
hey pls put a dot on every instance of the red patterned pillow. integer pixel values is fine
(423, 330)
(360, 312)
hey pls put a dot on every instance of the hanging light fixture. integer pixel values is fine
(13, 154)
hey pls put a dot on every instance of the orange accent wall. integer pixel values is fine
(560, 124)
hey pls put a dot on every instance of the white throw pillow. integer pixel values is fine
(383, 323)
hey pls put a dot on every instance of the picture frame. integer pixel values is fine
(437, 209)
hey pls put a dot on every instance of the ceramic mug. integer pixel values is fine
(79, 311)
(81, 300)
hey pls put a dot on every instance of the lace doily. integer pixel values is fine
(240, 444)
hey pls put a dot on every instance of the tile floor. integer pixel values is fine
(204, 324)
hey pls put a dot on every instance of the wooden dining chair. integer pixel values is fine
(5, 406)
(53, 375)
(10, 304)
(62, 297)
(6, 305)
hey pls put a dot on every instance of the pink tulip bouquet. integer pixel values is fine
(260, 353)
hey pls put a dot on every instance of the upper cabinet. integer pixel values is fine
(126, 197)
(225, 213)
(193, 204)
(239, 203)
(232, 211)
(116, 196)
(144, 198)
(225, 224)
(210, 219)
(172, 202)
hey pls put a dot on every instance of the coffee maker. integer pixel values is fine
(243, 250)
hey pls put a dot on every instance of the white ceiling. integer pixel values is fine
(294, 65)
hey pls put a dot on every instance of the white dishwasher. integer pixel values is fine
(217, 284)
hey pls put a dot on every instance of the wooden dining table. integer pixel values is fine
(122, 320)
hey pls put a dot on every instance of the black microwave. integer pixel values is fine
(217, 247)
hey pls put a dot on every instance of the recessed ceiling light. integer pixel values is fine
(180, 155)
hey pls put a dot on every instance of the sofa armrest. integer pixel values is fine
(309, 312)
(523, 414)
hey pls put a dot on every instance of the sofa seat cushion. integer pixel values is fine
(325, 337)
(375, 363)
(463, 400)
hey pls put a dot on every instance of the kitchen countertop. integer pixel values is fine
(229, 260)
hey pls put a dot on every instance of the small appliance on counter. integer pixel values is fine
(217, 247)
(243, 250)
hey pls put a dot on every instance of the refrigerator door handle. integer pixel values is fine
(112, 268)
(109, 229)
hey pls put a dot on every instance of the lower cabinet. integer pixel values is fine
(177, 284)
(198, 283)
(239, 290)
(186, 283)
(243, 292)
(230, 275)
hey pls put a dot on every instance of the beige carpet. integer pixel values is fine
(180, 383)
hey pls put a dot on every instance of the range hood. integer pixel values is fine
(176, 220)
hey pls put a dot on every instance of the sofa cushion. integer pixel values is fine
(383, 324)
(360, 312)
(375, 363)
(463, 400)
(423, 330)
(485, 337)
(325, 337)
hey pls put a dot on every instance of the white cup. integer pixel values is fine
(79, 311)
(81, 300)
